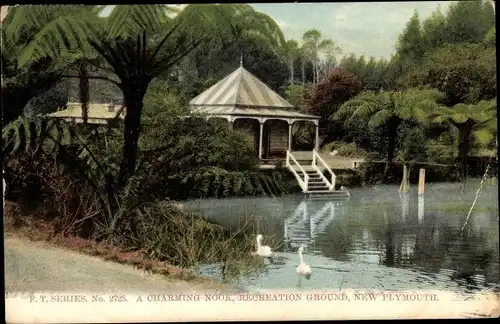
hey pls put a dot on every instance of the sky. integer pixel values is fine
(369, 28)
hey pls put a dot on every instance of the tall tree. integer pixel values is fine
(434, 30)
(291, 50)
(313, 45)
(410, 45)
(329, 51)
(469, 21)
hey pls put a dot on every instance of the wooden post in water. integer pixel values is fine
(421, 188)
(404, 182)
(403, 194)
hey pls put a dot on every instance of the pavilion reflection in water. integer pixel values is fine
(308, 221)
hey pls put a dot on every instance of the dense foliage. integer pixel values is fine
(433, 102)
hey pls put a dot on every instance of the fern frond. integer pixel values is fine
(484, 136)
(380, 118)
(130, 20)
(58, 37)
(33, 18)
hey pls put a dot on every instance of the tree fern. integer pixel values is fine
(472, 121)
(389, 109)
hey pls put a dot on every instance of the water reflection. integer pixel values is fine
(309, 219)
(377, 239)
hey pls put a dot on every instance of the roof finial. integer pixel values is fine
(241, 60)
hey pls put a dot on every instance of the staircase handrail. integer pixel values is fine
(303, 183)
(316, 157)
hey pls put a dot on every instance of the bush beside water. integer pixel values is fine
(52, 202)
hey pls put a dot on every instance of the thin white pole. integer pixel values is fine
(261, 132)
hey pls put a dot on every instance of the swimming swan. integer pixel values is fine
(303, 269)
(263, 250)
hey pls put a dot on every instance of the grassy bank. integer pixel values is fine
(166, 241)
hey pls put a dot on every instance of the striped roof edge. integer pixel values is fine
(240, 89)
(251, 111)
(96, 110)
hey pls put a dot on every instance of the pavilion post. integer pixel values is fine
(261, 132)
(290, 137)
(316, 139)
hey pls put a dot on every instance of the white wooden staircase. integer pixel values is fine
(311, 179)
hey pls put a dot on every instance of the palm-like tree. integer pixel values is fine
(474, 123)
(20, 30)
(138, 43)
(389, 110)
(27, 27)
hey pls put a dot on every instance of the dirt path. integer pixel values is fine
(37, 266)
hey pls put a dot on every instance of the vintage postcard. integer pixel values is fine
(271, 161)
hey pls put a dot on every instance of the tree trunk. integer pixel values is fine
(291, 71)
(391, 147)
(133, 103)
(303, 72)
(316, 70)
(84, 91)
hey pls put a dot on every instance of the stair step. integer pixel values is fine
(334, 192)
(323, 187)
(316, 186)
(326, 194)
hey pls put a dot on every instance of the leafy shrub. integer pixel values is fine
(345, 149)
(49, 191)
(334, 89)
(413, 147)
(296, 95)
(215, 182)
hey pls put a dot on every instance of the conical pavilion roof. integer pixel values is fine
(240, 89)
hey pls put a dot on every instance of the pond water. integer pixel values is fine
(378, 239)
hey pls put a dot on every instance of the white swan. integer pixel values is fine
(263, 250)
(303, 269)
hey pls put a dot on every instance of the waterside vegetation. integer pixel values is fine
(433, 103)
